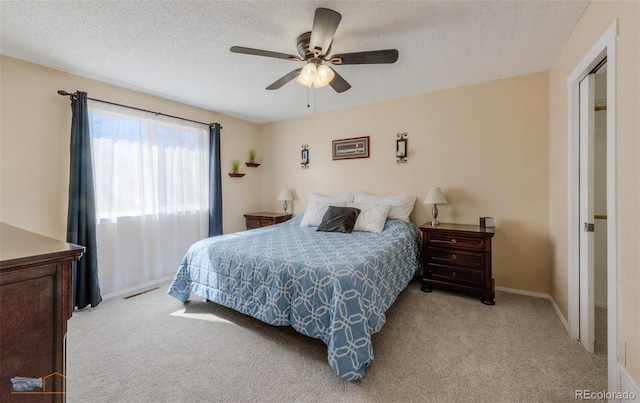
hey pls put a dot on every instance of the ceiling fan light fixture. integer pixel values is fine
(324, 77)
(314, 48)
(308, 75)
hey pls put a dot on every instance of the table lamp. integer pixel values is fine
(285, 195)
(435, 197)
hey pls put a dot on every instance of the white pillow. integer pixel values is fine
(315, 211)
(341, 198)
(401, 206)
(372, 217)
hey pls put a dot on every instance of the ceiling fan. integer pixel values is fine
(314, 48)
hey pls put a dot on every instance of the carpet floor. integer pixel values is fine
(437, 347)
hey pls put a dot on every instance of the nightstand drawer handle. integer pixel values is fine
(453, 274)
(454, 256)
(454, 240)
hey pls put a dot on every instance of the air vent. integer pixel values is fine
(627, 389)
(140, 293)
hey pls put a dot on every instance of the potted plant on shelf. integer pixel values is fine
(252, 159)
(235, 165)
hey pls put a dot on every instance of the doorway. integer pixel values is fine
(581, 252)
(593, 210)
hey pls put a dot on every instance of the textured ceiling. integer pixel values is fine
(180, 49)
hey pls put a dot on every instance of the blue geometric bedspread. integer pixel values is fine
(331, 286)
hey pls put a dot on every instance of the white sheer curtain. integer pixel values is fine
(151, 180)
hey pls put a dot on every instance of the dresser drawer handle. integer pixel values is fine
(454, 256)
(453, 274)
(454, 241)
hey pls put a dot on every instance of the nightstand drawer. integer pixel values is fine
(457, 241)
(257, 222)
(456, 275)
(456, 257)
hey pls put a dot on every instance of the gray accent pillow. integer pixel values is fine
(339, 219)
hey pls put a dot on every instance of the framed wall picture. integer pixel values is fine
(357, 147)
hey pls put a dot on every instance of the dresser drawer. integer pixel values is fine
(456, 257)
(436, 239)
(456, 275)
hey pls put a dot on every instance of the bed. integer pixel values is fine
(335, 287)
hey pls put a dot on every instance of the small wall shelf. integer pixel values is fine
(252, 164)
(236, 175)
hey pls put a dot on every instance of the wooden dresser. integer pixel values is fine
(35, 304)
(457, 257)
(257, 220)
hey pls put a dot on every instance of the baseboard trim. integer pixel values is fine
(523, 292)
(538, 295)
(559, 313)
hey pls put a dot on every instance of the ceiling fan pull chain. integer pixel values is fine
(308, 97)
(314, 99)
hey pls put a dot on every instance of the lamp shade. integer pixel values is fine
(324, 77)
(435, 196)
(285, 194)
(308, 75)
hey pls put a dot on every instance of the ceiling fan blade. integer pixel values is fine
(325, 23)
(260, 52)
(284, 79)
(338, 83)
(372, 57)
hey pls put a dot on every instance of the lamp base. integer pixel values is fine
(284, 206)
(434, 212)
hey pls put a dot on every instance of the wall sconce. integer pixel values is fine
(304, 158)
(401, 148)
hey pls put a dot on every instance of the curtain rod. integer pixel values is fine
(73, 95)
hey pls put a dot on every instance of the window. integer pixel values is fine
(151, 188)
(147, 164)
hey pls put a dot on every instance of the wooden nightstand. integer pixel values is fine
(257, 220)
(457, 257)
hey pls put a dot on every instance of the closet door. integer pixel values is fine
(587, 130)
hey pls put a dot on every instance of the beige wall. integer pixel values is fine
(596, 19)
(34, 140)
(485, 145)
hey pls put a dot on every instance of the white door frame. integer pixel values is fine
(604, 47)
